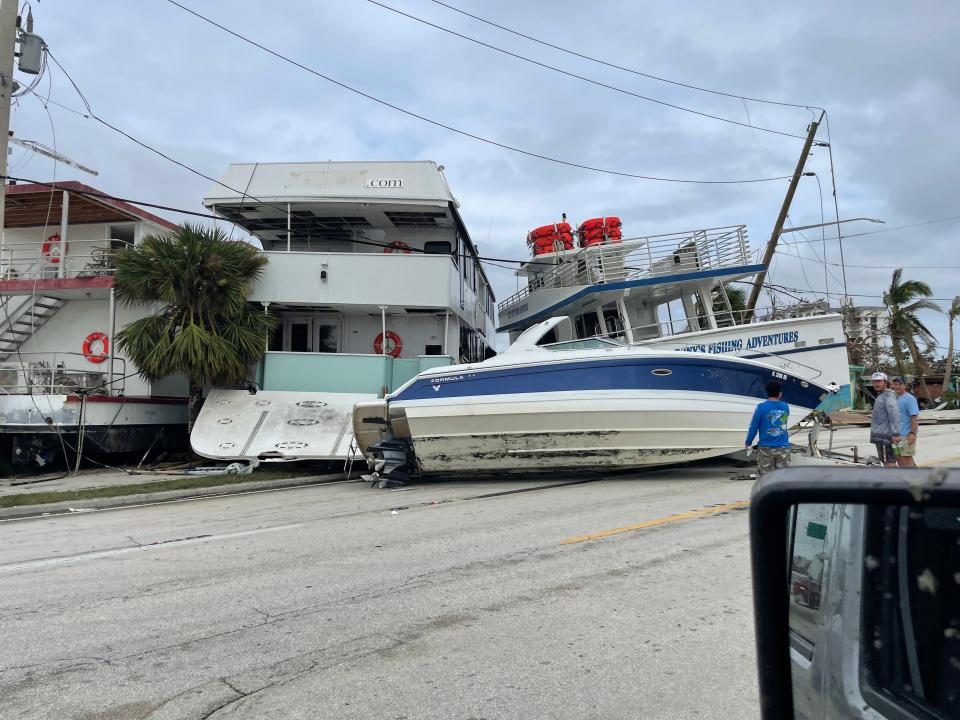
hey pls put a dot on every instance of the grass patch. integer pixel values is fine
(174, 483)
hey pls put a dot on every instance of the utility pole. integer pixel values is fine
(8, 46)
(781, 218)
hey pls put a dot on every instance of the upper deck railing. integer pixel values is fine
(60, 373)
(43, 260)
(639, 258)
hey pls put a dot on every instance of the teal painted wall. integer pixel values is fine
(339, 372)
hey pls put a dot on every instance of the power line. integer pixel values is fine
(210, 216)
(621, 67)
(580, 77)
(464, 133)
(374, 243)
(892, 229)
(840, 295)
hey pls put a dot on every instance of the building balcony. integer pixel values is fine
(358, 279)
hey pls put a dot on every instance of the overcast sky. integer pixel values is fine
(888, 75)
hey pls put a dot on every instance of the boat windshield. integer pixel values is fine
(587, 343)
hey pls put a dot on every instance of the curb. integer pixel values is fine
(161, 496)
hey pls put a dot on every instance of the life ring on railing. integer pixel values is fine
(92, 339)
(397, 246)
(50, 250)
(392, 337)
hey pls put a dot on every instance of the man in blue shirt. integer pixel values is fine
(909, 414)
(770, 423)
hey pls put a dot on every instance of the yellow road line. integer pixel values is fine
(693, 514)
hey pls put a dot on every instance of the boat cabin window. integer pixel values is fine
(437, 247)
(593, 343)
(587, 325)
(300, 337)
(433, 350)
(549, 338)
(306, 334)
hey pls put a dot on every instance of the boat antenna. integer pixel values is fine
(781, 218)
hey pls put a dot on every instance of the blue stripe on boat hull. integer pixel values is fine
(636, 373)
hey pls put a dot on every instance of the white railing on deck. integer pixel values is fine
(52, 376)
(639, 258)
(26, 260)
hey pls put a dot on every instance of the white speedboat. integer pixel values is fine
(546, 405)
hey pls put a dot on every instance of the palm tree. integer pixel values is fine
(952, 315)
(725, 316)
(903, 300)
(204, 329)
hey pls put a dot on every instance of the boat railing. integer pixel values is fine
(40, 260)
(59, 374)
(640, 258)
(650, 333)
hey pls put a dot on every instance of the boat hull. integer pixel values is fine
(568, 430)
(44, 430)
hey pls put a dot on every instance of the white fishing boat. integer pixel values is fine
(373, 278)
(64, 386)
(645, 363)
(549, 404)
(670, 292)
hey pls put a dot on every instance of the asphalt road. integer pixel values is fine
(445, 601)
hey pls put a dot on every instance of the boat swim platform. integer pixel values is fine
(275, 425)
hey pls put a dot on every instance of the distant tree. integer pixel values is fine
(205, 328)
(952, 313)
(738, 303)
(904, 299)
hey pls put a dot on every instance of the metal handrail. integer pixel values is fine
(638, 258)
(32, 265)
(620, 336)
(54, 371)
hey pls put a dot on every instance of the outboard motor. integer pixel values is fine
(390, 462)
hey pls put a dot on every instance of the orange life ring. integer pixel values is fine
(47, 249)
(397, 246)
(392, 337)
(96, 337)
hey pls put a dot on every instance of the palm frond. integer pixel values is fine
(205, 328)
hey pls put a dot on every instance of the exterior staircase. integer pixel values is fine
(22, 322)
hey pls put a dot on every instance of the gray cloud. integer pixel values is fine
(887, 74)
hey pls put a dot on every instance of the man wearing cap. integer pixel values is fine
(909, 414)
(885, 421)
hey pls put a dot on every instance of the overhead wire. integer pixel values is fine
(615, 66)
(374, 243)
(465, 133)
(576, 76)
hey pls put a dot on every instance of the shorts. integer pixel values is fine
(885, 453)
(771, 458)
(908, 449)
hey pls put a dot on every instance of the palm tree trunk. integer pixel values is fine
(193, 404)
(947, 372)
(918, 364)
(898, 354)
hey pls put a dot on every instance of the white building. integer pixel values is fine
(59, 367)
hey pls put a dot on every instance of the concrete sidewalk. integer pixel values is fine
(115, 488)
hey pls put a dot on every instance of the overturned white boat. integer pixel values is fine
(547, 405)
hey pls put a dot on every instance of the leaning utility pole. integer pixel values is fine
(8, 46)
(781, 218)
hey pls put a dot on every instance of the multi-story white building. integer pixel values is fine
(373, 277)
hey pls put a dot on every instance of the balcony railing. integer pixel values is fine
(54, 376)
(639, 258)
(28, 261)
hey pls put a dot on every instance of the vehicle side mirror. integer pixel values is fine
(856, 586)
